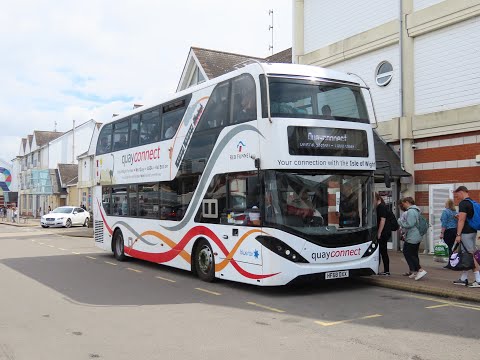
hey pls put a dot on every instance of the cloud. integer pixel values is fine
(81, 60)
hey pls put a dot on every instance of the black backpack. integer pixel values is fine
(392, 221)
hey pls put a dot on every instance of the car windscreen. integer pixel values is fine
(62, 210)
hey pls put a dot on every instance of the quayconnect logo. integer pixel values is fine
(240, 146)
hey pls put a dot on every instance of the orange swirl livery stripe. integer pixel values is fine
(220, 266)
(178, 249)
(183, 253)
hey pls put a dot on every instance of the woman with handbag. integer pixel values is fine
(449, 225)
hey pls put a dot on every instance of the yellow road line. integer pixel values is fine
(138, 271)
(265, 307)
(110, 263)
(90, 257)
(208, 291)
(330, 323)
(446, 302)
(162, 278)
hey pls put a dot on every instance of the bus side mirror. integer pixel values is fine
(387, 180)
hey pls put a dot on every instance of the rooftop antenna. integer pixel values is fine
(270, 28)
(55, 126)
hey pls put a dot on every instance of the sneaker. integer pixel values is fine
(408, 273)
(474, 284)
(386, 273)
(461, 282)
(420, 274)
(412, 275)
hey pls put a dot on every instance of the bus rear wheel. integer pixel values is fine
(118, 246)
(204, 261)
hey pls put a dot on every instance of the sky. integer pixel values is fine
(79, 60)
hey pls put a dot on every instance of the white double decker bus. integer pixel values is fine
(263, 176)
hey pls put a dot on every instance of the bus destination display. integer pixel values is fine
(321, 141)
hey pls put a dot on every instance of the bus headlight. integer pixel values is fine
(280, 248)
(371, 249)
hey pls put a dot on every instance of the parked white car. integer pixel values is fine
(65, 216)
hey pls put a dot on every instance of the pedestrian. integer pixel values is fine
(409, 224)
(384, 233)
(49, 209)
(14, 214)
(449, 225)
(466, 234)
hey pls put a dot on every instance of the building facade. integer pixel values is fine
(420, 60)
(41, 184)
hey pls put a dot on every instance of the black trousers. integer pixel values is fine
(410, 251)
(382, 245)
(449, 238)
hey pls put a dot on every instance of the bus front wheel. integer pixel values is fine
(118, 246)
(204, 261)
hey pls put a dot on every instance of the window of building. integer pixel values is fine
(384, 73)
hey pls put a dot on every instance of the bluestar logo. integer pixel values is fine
(240, 145)
(254, 253)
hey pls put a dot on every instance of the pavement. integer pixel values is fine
(437, 282)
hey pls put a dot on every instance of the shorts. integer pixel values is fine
(469, 241)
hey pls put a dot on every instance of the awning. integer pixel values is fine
(386, 155)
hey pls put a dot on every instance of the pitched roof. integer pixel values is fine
(216, 63)
(24, 143)
(44, 137)
(284, 56)
(68, 174)
(30, 138)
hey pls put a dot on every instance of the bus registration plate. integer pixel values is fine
(336, 275)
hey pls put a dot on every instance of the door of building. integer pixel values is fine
(437, 195)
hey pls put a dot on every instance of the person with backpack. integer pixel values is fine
(466, 234)
(411, 227)
(384, 233)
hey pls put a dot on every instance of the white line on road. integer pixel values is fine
(138, 271)
(110, 263)
(90, 257)
(265, 307)
(330, 323)
(208, 291)
(162, 278)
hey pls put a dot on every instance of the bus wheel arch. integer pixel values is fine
(118, 245)
(203, 260)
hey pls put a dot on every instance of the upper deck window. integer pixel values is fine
(104, 144)
(314, 99)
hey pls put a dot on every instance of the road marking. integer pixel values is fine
(90, 257)
(76, 253)
(138, 271)
(162, 278)
(41, 243)
(62, 249)
(330, 323)
(449, 303)
(265, 307)
(208, 291)
(110, 263)
(51, 246)
(437, 306)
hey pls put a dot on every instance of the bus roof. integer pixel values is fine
(279, 69)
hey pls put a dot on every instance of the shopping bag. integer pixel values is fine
(461, 260)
